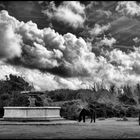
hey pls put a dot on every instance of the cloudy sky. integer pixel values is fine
(70, 44)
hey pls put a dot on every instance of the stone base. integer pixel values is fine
(32, 113)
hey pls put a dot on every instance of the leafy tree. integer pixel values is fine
(14, 83)
(18, 83)
(70, 110)
(127, 90)
(10, 91)
(138, 89)
(19, 100)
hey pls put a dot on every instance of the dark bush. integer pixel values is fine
(119, 111)
(70, 110)
(110, 112)
(132, 111)
(101, 113)
(116, 112)
(100, 109)
(5, 99)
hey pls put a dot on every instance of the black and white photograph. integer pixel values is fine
(69, 69)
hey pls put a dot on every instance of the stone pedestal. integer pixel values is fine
(31, 113)
(32, 101)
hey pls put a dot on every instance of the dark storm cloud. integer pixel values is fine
(100, 12)
(123, 20)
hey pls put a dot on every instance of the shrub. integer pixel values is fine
(132, 111)
(116, 111)
(101, 113)
(100, 109)
(70, 110)
(110, 112)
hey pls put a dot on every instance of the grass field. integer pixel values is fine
(109, 128)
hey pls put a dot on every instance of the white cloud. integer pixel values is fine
(69, 12)
(127, 64)
(10, 42)
(106, 41)
(41, 81)
(136, 40)
(47, 49)
(131, 8)
(98, 29)
(6, 69)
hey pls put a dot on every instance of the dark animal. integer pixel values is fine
(139, 118)
(1, 112)
(87, 112)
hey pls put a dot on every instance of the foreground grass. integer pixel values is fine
(109, 128)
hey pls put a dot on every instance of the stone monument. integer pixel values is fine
(32, 112)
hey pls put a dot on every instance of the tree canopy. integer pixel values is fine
(10, 91)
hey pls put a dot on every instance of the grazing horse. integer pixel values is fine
(87, 112)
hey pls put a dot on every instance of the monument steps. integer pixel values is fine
(33, 119)
(37, 122)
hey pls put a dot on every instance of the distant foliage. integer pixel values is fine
(109, 103)
(101, 95)
(127, 100)
(62, 95)
(127, 91)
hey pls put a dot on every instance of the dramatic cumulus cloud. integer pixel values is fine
(6, 70)
(46, 49)
(70, 12)
(131, 8)
(10, 45)
(50, 60)
(41, 81)
(128, 64)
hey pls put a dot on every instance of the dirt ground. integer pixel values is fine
(108, 128)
